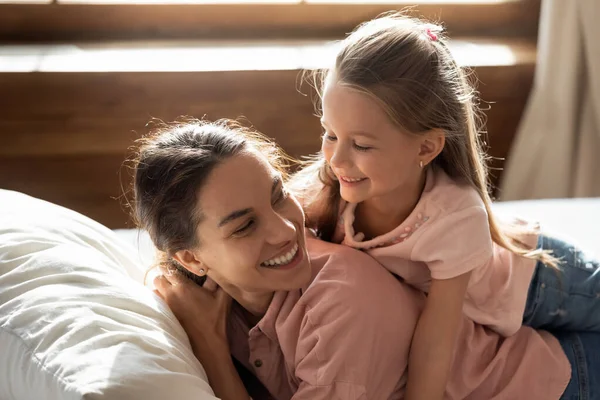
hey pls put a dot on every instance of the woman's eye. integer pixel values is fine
(282, 196)
(244, 228)
(328, 137)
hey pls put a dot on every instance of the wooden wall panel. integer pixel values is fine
(88, 184)
(65, 135)
(77, 20)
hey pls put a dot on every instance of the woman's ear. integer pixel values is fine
(432, 144)
(191, 262)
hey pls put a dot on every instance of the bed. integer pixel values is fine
(77, 323)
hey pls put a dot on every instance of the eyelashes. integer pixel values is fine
(329, 138)
(282, 196)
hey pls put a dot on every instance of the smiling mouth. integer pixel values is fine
(282, 260)
(351, 180)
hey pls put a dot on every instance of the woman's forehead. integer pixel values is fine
(237, 182)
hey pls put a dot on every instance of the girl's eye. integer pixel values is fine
(361, 148)
(244, 228)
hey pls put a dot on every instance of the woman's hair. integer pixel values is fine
(170, 167)
(404, 64)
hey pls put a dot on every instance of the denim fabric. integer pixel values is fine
(567, 299)
(583, 352)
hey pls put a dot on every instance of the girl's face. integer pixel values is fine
(251, 235)
(370, 156)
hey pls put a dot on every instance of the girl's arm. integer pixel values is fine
(432, 349)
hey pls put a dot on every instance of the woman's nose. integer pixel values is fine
(282, 230)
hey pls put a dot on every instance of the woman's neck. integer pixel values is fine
(380, 215)
(254, 305)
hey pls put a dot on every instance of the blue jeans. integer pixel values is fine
(567, 299)
(566, 302)
(583, 352)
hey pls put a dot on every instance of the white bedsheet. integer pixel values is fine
(573, 220)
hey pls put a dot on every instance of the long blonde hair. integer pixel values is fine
(405, 65)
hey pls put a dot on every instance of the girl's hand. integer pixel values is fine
(202, 311)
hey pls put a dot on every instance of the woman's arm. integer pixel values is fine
(203, 315)
(432, 349)
(218, 365)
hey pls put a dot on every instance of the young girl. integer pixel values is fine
(402, 176)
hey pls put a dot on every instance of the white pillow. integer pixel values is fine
(73, 323)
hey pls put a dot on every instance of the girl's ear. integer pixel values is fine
(432, 144)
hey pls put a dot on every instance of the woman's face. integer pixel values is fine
(251, 234)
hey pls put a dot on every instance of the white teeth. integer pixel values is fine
(282, 260)
(352, 179)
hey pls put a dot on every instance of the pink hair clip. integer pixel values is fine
(431, 34)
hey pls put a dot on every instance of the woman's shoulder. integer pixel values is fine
(351, 303)
(350, 279)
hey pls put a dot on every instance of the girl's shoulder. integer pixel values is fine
(444, 195)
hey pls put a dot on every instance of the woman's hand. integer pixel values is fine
(202, 311)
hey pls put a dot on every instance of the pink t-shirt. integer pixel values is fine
(347, 336)
(337, 338)
(445, 236)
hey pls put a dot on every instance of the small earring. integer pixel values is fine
(421, 164)
(201, 271)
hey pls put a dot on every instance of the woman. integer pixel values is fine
(306, 317)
